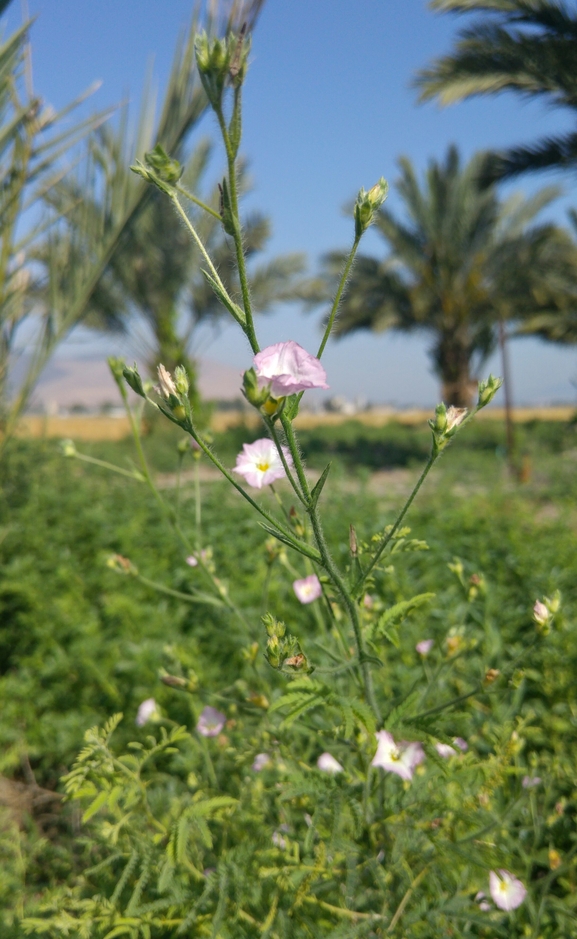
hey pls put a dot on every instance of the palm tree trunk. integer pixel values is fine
(453, 359)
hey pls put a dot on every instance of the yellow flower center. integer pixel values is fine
(263, 467)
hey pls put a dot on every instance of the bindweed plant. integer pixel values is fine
(308, 796)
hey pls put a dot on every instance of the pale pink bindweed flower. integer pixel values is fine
(401, 758)
(424, 646)
(288, 368)
(260, 761)
(260, 463)
(445, 750)
(327, 764)
(308, 589)
(146, 711)
(210, 722)
(529, 782)
(507, 891)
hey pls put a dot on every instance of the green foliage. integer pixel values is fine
(164, 808)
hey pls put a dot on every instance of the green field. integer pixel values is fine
(80, 641)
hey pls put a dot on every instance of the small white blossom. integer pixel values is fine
(327, 764)
(507, 891)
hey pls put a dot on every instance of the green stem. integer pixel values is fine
(386, 539)
(331, 568)
(206, 256)
(132, 474)
(338, 295)
(237, 234)
(284, 460)
(198, 202)
(196, 597)
(197, 506)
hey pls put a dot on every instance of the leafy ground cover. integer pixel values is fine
(80, 641)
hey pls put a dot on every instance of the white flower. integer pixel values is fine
(210, 722)
(424, 646)
(260, 761)
(455, 416)
(508, 893)
(444, 750)
(146, 711)
(327, 764)
(260, 463)
(166, 382)
(401, 758)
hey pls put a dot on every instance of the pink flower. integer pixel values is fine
(288, 368)
(146, 711)
(210, 722)
(530, 781)
(260, 463)
(327, 764)
(480, 899)
(192, 559)
(424, 646)
(400, 758)
(508, 893)
(308, 589)
(540, 613)
(260, 761)
(445, 750)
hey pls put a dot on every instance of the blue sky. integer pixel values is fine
(328, 108)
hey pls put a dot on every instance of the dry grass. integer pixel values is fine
(97, 427)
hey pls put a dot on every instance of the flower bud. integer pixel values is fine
(488, 389)
(68, 448)
(367, 204)
(273, 651)
(163, 166)
(439, 424)
(133, 379)
(254, 393)
(454, 417)
(181, 380)
(540, 613)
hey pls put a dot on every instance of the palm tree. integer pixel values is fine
(152, 290)
(462, 262)
(527, 46)
(83, 232)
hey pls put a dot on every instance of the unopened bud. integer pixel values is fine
(367, 204)
(491, 675)
(181, 380)
(133, 379)
(68, 448)
(439, 424)
(273, 626)
(487, 390)
(253, 392)
(540, 613)
(163, 166)
(121, 565)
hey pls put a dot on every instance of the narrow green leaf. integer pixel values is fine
(319, 485)
(232, 308)
(92, 809)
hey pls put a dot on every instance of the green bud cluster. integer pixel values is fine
(160, 169)
(283, 650)
(221, 62)
(133, 379)
(487, 390)
(368, 203)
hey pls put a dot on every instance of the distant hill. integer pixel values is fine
(86, 382)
